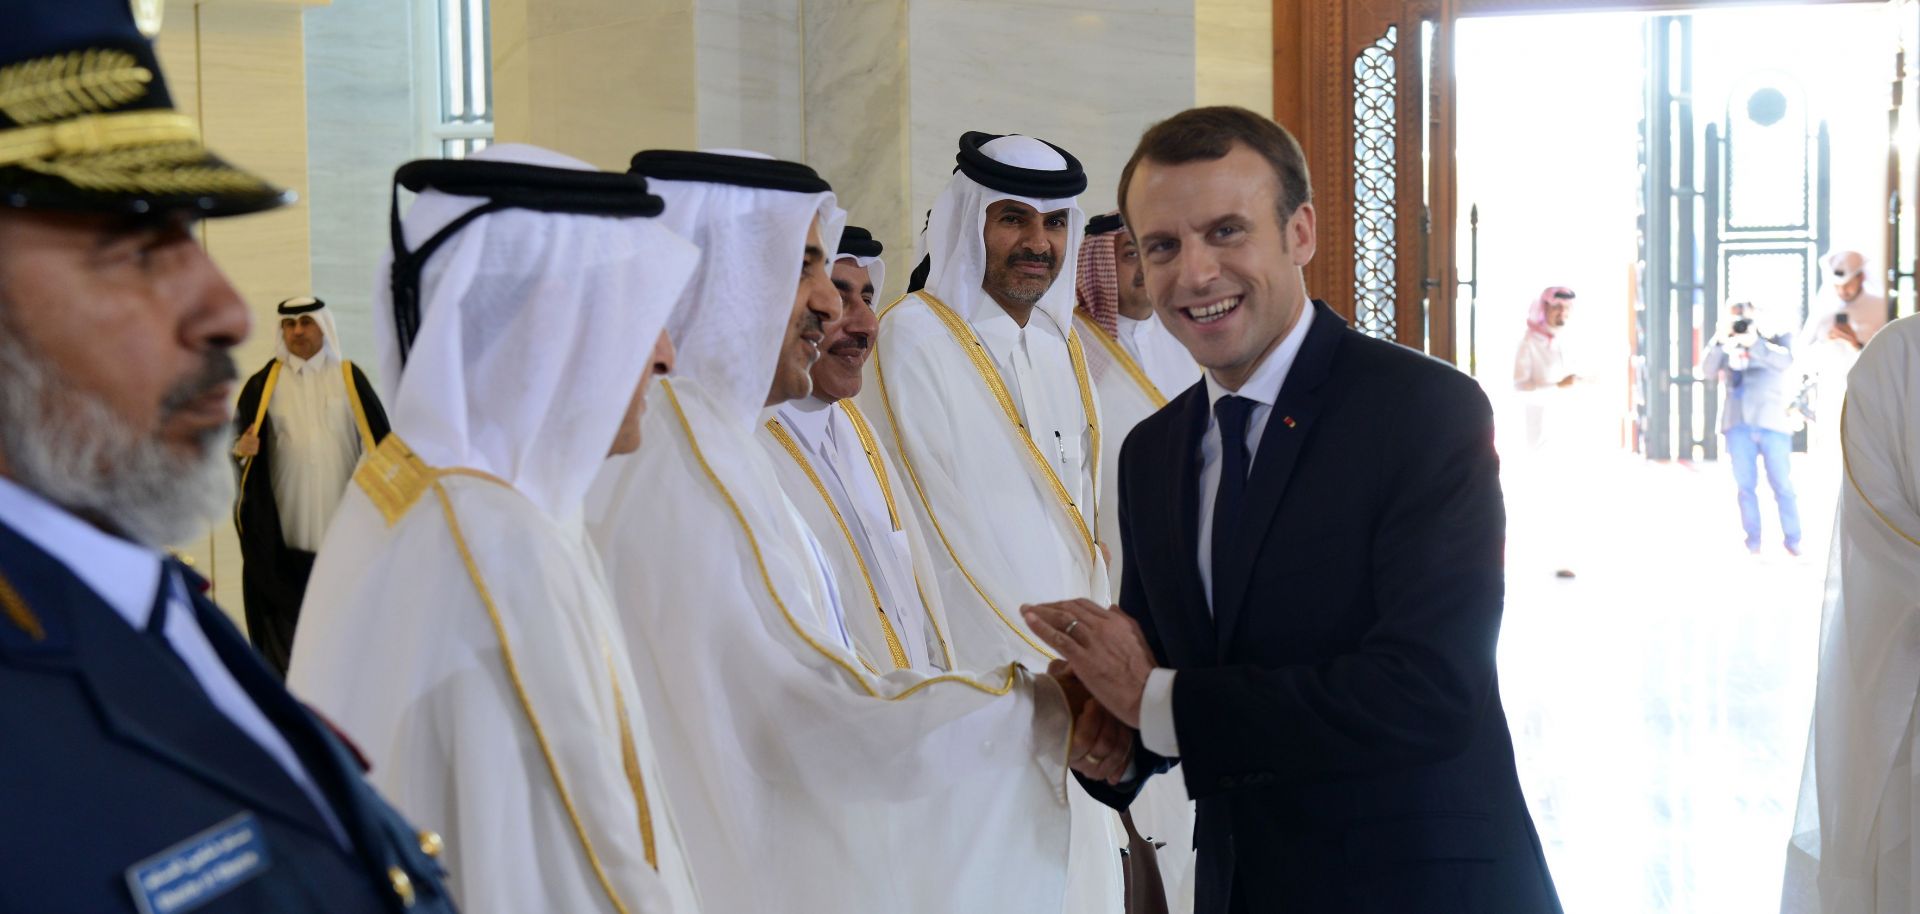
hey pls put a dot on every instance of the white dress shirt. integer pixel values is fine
(1035, 362)
(126, 576)
(1263, 388)
(828, 435)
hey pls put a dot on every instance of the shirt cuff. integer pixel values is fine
(1156, 714)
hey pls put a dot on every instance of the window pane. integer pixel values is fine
(453, 87)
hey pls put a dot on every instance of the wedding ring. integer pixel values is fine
(1095, 759)
(1070, 627)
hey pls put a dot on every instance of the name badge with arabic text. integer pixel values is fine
(201, 868)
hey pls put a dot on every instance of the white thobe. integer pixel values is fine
(1853, 849)
(1003, 537)
(1149, 368)
(1154, 348)
(802, 782)
(315, 447)
(1128, 394)
(1039, 373)
(835, 452)
(398, 647)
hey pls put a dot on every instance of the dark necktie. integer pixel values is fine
(1231, 494)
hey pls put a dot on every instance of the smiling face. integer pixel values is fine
(815, 305)
(1221, 267)
(1024, 251)
(849, 340)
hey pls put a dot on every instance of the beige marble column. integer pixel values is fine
(236, 66)
(1233, 53)
(596, 79)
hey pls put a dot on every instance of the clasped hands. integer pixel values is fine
(1103, 669)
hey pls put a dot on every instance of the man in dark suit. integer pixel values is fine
(151, 762)
(1313, 575)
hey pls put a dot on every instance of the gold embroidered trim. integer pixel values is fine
(874, 459)
(394, 478)
(792, 447)
(77, 82)
(359, 409)
(259, 416)
(526, 702)
(116, 142)
(1122, 358)
(886, 402)
(630, 761)
(766, 580)
(1846, 460)
(17, 612)
(984, 367)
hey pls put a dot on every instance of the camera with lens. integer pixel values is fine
(1742, 325)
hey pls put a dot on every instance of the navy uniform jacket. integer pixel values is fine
(1338, 711)
(111, 755)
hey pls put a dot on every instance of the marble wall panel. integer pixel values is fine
(749, 70)
(856, 115)
(614, 78)
(1086, 77)
(362, 123)
(1233, 53)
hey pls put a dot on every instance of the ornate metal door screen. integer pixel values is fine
(1751, 231)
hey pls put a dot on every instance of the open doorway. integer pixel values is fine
(1659, 166)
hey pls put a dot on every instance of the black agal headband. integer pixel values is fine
(994, 174)
(718, 168)
(858, 242)
(504, 185)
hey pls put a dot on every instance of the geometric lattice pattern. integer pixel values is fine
(1376, 131)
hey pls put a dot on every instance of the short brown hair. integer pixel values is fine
(1206, 134)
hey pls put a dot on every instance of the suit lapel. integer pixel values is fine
(1288, 426)
(143, 698)
(1183, 509)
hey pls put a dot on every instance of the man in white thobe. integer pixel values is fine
(1841, 321)
(303, 422)
(1135, 362)
(459, 627)
(802, 781)
(982, 385)
(1853, 849)
(848, 489)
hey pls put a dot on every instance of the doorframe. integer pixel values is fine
(1315, 43)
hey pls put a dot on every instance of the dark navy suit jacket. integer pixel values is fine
(111, 754)
(1337, 710)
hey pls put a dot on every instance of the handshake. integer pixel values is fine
(1103, 670)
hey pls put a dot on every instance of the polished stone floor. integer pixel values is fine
(1659, 701)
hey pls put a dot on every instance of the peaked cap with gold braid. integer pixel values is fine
(87, 125)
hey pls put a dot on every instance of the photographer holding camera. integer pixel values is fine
(1753, 416)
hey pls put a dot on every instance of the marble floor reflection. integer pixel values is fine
(1659, 701)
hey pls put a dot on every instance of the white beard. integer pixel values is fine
(67, 446)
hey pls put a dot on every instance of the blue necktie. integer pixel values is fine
(1231, 494)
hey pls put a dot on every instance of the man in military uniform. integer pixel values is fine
(304, 421)
(152, 763)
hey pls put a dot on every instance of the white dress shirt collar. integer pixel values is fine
(124, 574)
(1263, 386)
